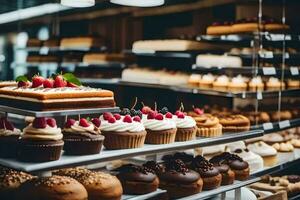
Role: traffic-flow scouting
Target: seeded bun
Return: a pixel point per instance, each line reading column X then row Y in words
column 53, row 188
column 75, row 172
column 10, row 181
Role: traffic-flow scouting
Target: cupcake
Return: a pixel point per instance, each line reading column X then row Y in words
column 9, row 136
column 209, row 127
column 10, row 181
column 221, row 83
column 186, row 127
column 54, row 187
column 82, row 137
column 159, row 129
column 267, row 152
column 227, row 174
column 194, row 80
column 210, row 175
column 256, row 84
column 186, row 158
column 293, row 84
column 237, row 84
column 179, row 181
column 137, row 179
column 206, row 81
column 255, row 161
column 275, row 84
column 122, row 132
column 41, row 141
column 236, row 164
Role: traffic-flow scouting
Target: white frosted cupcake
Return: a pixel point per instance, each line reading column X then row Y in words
column 221, row 83
column 275, row 84
column 256, row 84
column 237, row 84
column 206, row 81
column 267, row 152
column 186, row 127
column 160, row 130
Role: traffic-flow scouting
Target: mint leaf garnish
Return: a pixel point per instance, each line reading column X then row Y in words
column 21, row 78
column 71, row 78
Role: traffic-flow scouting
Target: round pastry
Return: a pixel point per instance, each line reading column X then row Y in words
column 236, row 164
column 137, row 179
column 186, row 127
column 293, row 84
column 235, row 123
column 237, row 84
column 256, row 84
column 281, row 115
column 221, row 83
column 101, row 185
column 179, row 181
column 267, row 152
column 75, row 172
column 54, row 187
column 273, row 138
column 41, row 141
column 275, row 84
column 228, row 175
column 194, row 80
column 9, row 136
column 159, row 129
column 82, row 137
column 206, row 81
column 209, row 127
column 122, row 132
column 210, row 175
column 284, row 147
column 10, row 181
column 255, row 161
column 295, row 142
column 186, row 158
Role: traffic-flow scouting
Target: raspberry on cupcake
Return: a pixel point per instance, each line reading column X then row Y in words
column 41, row 141
column 82, row 137
column 122, row 132
column 9, row 136
column 186, row 127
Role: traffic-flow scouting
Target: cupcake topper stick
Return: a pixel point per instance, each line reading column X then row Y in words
column 79, row 117
column 155, row 106
column 135, row 102
column 66, row 118
column 181, row 107
column 143, row 104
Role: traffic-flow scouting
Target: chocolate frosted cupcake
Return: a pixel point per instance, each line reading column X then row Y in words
column 210, row 175
column 82, row 137
column 122, row 132
column 228, row 175
column 10, row 181
column 187, row 159
column 160, row 130
column 9, row 136
column 186, row 127
column 237, row 165
column 137, row 179
column 41, row 141
column 179, row 181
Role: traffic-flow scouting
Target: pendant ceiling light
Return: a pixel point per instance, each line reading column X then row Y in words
column 78, row 3
column 139, row 3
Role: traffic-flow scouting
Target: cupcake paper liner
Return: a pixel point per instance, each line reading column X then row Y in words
column 83, row 146
column 161, row 137
column 124, row 140
column 185, row 134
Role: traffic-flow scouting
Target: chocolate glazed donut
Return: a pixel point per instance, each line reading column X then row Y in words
column 228, row 175
column 210, row 175
column 179, row 181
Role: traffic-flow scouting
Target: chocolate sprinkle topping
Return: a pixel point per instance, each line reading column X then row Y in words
column 177, row 166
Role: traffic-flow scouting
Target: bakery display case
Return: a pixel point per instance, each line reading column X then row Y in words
column 188, row 100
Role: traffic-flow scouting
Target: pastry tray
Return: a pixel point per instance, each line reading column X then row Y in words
column 45, row 50
column 277, row 126
column 143, row 196
column 56, row 113
column 109, row 155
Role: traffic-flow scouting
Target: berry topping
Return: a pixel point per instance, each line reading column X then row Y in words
column 69, row 84
column 198, row 111
column 59, row 81
column 177, row 112
column 127, row 119
column 112, row 120
column 51, row 122
column 145, row 110
column 84, row 123
column 151, row 115
column 137, row 119
column 37, row 81
column 107, row 115
column 69, row 123
column 169, row 115
column 164, row 110
column 96, row 122
column 23, row 84
column 48, row 83
column 117, row 116
column 39, row 122
column 125, row 111
column 181, row 115
column 159, row 117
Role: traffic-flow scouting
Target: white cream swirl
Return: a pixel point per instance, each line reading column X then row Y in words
column 158, row 125
column 120, row 126
column 48, row 133
column 7, row 132
column 238, row 79
column 262, row 149
column 77, row 129
column 186, row 122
